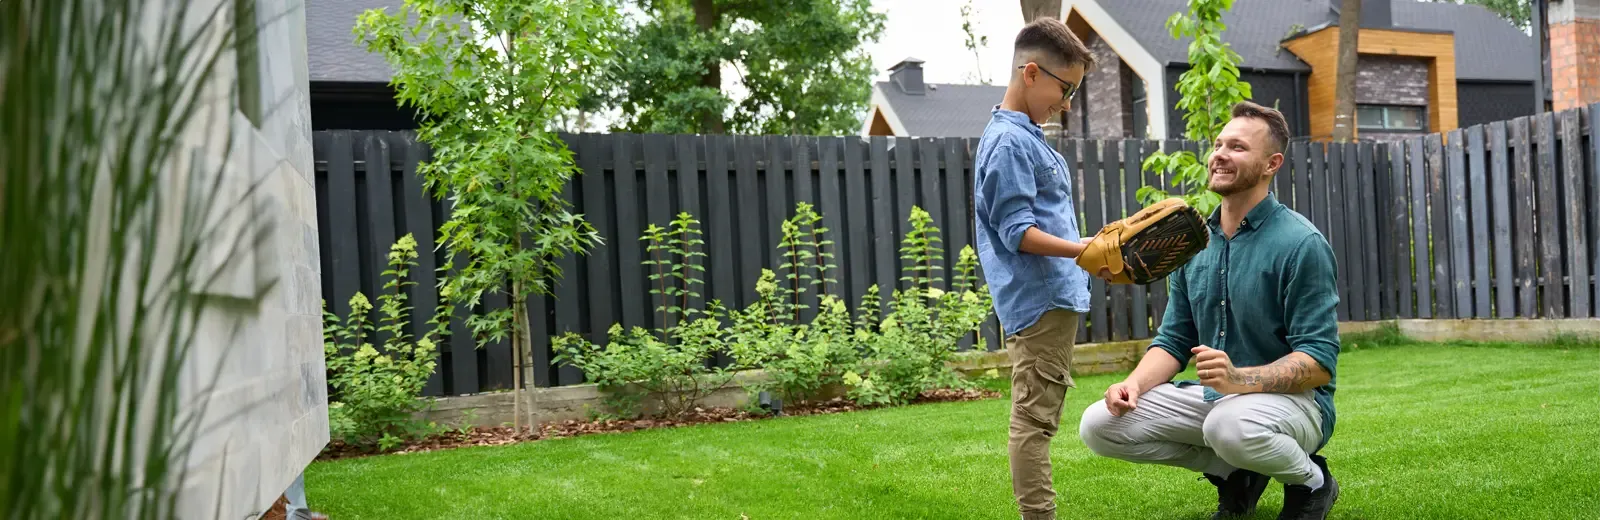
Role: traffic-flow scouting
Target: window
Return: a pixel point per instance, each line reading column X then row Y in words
column 1391, row 118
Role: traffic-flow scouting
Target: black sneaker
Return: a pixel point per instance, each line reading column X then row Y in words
column 1237, row 495
column 1301, row 503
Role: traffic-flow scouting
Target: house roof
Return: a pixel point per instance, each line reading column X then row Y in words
column 947, row 110
column 331, row 48
column 1487, row 47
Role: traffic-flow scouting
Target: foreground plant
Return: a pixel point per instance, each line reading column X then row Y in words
column 121, row 226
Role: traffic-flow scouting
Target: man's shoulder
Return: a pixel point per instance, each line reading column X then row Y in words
column 1292, row 231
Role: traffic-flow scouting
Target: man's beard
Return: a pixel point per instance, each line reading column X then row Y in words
column 1244, row 178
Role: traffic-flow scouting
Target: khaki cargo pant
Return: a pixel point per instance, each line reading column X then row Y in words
column 1041, row 372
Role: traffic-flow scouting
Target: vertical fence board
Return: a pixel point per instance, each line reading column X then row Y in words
column 905, row 189
column 859, row 235
column 1139, row 313
column 1524, row 200
column 1591, row 175
column 1460, row 233
column 687, row 157
column 1099, row 326
column 831, row 199
column 1158, row 290
column 1547, row 179
column 1333, row 182
column 1439, row 227
column 1115, row 208
column 933, row 203
column 1420, row 239
column 747, row 207
column 415, row 217
column 1319, row 187
column 1301, row 159
column 632, row 290
column 1068, row 148
column 658, row 212
column 1500, row 192
column 569, row 295
column 598, row 210
column 885, row 261
column 1400, row 226
column 1353, row 236
column 956, row 194
column 379, row 217
column 1478, row 215
column 990, row 332
column 1371, row 230
column 723, row 262
column 1573, row 209
column 496, row 366
column 778, row 207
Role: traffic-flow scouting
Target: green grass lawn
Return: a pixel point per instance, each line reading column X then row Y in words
column 1425, row 431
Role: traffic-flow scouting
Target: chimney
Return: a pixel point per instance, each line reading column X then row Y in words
column 908, row 76
column 1375, row 14
column 1574, row 53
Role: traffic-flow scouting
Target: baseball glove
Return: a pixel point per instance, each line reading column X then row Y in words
column 1148, row 245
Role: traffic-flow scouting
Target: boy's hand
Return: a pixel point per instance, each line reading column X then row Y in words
column 1104, row 274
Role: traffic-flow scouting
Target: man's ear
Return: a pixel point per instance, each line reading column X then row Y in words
column 1275, row 162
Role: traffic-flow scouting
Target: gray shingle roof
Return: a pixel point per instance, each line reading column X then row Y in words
column 1487, row 47
column 946, row 111
column 331, row 48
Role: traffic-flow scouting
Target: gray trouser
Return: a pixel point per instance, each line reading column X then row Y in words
column 1270, row 434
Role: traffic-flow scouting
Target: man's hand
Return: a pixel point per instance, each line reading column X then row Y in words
column 1294, row 373
column 1216, row 370
column 1122, row 398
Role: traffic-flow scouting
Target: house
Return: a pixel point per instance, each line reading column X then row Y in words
column 1424, row 67
column 907, row 105
column 349, row 85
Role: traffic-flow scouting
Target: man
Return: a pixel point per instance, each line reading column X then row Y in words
column 1028, row 235
column 1255, row 310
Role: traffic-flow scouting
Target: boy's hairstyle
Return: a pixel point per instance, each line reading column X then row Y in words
column 1277, row 126
column 1051, row 38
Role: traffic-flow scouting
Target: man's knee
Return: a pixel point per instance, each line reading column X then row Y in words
column 1234, row 436
column 1095, row 429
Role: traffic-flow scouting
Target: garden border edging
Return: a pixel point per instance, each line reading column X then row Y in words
column 573, row 402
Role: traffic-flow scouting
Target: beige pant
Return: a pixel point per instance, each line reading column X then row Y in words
column 1041, row 372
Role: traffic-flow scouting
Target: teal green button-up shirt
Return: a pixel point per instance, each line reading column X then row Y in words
column 1259, row 296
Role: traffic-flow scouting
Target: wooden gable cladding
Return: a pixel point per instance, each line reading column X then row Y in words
column 1320, row 50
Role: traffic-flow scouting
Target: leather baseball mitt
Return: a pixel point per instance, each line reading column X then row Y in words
column 1148, row 245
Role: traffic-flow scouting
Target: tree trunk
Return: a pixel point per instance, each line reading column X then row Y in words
column 1035, row 8
column 524, row 356
column 1344, row 92
column 706, row 17
column 519, row 336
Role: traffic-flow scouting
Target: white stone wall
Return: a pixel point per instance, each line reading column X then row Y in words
column 257, row 365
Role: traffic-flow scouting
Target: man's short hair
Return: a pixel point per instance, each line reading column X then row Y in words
column 1050, row 37
column 1277, row 126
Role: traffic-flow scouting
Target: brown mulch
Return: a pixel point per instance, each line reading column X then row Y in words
column 495, row 436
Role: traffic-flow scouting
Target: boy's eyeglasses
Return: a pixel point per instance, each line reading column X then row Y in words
column 1068, row 88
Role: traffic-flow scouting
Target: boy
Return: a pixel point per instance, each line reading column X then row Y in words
column 1028, row 236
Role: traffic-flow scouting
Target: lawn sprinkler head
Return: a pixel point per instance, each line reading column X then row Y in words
column 772, row 404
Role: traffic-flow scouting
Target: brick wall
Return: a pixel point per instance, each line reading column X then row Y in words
column 1390, row 80
column 1575, row 63
column 1108, row 93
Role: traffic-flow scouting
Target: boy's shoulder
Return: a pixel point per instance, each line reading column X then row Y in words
column 1002, row 137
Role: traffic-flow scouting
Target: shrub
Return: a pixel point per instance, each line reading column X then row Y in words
column 910, row 349
column 377, row 388
column 673, row 362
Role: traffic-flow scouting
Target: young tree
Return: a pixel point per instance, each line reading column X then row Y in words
column 1344, row 90
column 800, row 63
column 492, row 76
column 974, row 42
column 1208, row 91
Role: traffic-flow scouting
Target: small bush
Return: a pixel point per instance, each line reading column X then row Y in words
column 377, row 388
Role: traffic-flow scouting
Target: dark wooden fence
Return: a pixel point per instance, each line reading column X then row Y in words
column 1492, row 221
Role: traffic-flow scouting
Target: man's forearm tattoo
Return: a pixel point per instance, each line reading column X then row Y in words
column 1282, row 376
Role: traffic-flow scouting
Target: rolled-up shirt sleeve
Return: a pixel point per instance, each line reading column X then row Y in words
column 1311, row 302
column 1177, row 333
column 1008, row 188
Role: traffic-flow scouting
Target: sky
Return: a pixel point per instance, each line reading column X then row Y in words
column 930, row 30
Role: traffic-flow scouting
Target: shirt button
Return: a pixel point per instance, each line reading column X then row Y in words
column 1222, row 334
column 1224, row 303
column 1223, row 271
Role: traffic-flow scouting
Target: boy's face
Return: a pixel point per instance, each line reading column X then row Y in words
column 1049, row 90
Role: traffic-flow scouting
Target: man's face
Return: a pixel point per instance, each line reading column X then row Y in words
column 1050, row 89
column 1241, row 157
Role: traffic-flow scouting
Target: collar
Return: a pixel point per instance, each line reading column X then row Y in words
column 1256, row 218
column 1017, row 118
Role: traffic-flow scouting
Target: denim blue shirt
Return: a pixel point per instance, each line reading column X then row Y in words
column 1019, row 182
column 1258, row 296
